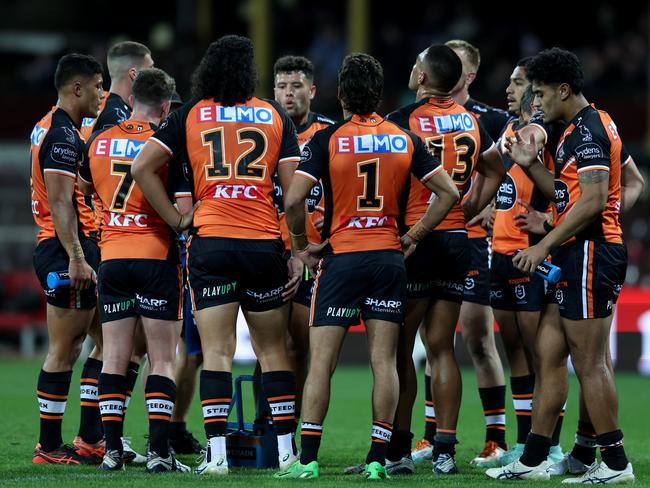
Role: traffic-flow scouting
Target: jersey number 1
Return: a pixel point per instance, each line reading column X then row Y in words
column 370, row 199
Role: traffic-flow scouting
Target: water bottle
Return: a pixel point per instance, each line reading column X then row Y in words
column 55, row 279
column 547, row 271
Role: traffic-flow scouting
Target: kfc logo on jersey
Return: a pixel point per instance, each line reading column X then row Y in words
column 237, row 192
column 352, row 222
column 462, row 122
column 112, row 219
column 372, row 143
column 250, row 115
column 37, row 134
column 122, row 148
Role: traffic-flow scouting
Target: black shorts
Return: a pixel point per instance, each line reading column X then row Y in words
column 510, row 289
column 593, row 273
column 150, row 288
column 249, row 271
column 438, row 266
column 49, row 256
column 477, row 280
column 370, row 284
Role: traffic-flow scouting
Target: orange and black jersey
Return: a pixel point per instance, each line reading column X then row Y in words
column 453, row 134
column 315, row 122
column 590, row 142
column 112, row 111
column 364, row 164
column 229, row 156
column 57, row 147
column 131, row 228
column 507, row 237
column 493, row 119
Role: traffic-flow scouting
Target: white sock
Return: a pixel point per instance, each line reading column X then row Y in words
column 217, row 446
column 284, row 443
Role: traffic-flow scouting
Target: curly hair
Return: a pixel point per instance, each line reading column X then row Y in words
column 443, row 66
column 227, row 72
column 287, row 64
column 556, row 65
column 361, row 82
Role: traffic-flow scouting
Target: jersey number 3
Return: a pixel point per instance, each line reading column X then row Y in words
column 464, row 149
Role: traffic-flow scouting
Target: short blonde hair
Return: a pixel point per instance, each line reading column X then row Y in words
column 470, row 50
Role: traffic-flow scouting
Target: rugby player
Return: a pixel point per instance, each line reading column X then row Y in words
column 587, row 245
column 139, row 274
column 66, row 242
column 364, row 163
column 231, row 143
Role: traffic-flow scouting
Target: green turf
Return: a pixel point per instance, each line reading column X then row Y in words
column 345, row 439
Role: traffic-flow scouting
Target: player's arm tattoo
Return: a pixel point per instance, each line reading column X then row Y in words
column 77, row 251
column 594, row 176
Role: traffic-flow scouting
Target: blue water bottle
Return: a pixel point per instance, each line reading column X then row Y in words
column 547, row 271
column 56, row 279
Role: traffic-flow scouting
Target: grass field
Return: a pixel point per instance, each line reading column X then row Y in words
column 345, row 439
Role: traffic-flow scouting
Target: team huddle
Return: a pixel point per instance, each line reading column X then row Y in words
column 170, row 217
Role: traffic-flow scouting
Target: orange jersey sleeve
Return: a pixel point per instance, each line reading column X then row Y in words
column 131, row 228
column 57, row 147
column 231, row 154
column 364, row 164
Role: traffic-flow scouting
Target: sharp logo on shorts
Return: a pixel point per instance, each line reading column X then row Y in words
column 462, row 122
column 562, row 196
column 506, row 195
column 251, row 115
column 413, row 287
column 112, row 219
column 452, row 285
column 367, row 222
column 372, row 143
column 37, row 134
column 343, row 312
column 215, row 291
column 378, row 305
column 123, row 148
column 266, row 296
column 119, row 306
column 237, row 192
column 153, row 304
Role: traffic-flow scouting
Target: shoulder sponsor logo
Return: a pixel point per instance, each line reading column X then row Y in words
column 506, row 194
column 613, row 130
column 372, row 143
column 314, row 197
column 462, row 122
column 562, row 196
column 585, row 133
column 123, row 148
column 37, row 135
column 249, row 115
column 88, row 121
column 64, row 153
column 305, row 154
column 588, row 151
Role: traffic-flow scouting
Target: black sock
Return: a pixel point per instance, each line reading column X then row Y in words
column 90, row 422
column 399, row 445
column 310, row 436
column 555, row 438
column 536, row 450
column 611, row 450
column 280, row 390
column 494, row 410
column 379, row 439
column 177, row 428
column 52, row 395
column 160, row 394
column 445, row 443
column 216, row 395
column 429, row 412
column 131, row 378
column 112, row 395
column 584, row 449
column 522, row 397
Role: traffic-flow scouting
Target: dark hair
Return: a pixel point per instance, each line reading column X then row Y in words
column 153, row 86
column 227, row 72
column 287, row 64
column 526, row 104
column 556, row 65
column 128, row 48
column 523, row 62
column 75, row 64
column 361, row 81
column 443, row 66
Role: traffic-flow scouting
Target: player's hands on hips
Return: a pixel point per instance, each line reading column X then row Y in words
column 527, row 260
column 485, row 218
column 532, row 220
column 524, row 153
column 408, row 245
column 81, row 274
column 311, row 256
column 187, row 218
column 295, row 267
